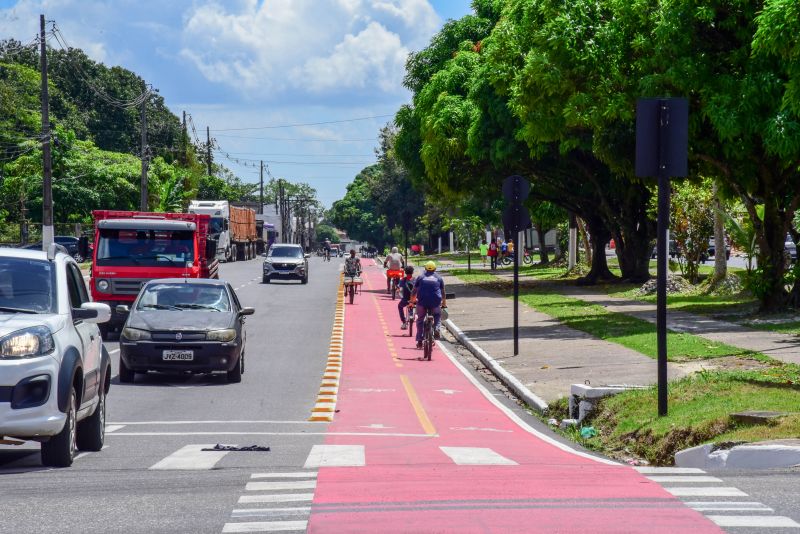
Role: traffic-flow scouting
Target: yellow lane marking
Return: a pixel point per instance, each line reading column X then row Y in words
column 422, row 415
column 325, row 406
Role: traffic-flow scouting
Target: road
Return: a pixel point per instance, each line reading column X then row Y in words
column 414, row 446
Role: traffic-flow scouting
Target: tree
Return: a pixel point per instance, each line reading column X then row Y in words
column 692, row 214
column 355, row 213
column 325, row 232
column 545, row 216
column 468, row 232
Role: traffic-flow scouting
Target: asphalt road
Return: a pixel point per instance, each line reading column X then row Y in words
column 157, row 416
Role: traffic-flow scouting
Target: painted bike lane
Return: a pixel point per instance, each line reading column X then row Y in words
column 422, row 447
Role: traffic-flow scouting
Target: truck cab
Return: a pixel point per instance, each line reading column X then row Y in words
column 134, row 247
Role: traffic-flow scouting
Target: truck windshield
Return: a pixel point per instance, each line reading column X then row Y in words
column 215, row 226
column 27, row 286
column 152, row 248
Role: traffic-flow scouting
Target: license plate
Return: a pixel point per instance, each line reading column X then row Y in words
column 179, row 355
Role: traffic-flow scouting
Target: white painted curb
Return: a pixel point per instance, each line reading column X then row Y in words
column 509, row 380
column 765, row 455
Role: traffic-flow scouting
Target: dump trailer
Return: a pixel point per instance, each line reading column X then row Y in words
column 233, row 228
column 133, row 247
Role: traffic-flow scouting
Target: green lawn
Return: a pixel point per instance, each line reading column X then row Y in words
column 792, row 327
column 699, row 410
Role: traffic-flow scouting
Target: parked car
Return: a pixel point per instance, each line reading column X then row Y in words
column 181, row 325
column 286, row 261
column 712, row 246
column 54, row 371
column 790, row 247
column 72, row 244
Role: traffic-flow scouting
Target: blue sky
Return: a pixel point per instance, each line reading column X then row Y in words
column 234, row 64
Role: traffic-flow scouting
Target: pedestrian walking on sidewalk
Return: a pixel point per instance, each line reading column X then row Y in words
column 484, row 251
column 492, row 252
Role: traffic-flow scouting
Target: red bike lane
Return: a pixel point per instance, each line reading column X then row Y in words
column 421, row 446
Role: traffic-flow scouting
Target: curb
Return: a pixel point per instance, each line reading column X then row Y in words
column 325, row 406
column 775, row 454
column 509, row 380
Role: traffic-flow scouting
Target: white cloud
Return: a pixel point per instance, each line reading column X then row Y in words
column 306, row 46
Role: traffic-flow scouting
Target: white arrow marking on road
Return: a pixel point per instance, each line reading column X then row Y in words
column 449, row 391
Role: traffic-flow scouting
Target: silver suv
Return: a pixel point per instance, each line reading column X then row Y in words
column 285, row 261
column 54, row 371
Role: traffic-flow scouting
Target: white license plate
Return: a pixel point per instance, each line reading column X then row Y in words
column 179, row 355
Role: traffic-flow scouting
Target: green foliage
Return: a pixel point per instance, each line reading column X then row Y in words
column 326, row 232
column 355, row 213
column 692, row 214
column 468, row 231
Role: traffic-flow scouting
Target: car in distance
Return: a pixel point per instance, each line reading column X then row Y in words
column 285, row 261
column 181, row 325
column 54, row 371
column 790, row 248
column 71, row 243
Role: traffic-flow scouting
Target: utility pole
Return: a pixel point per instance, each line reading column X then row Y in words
column 208, row 150
column 143, row 195
column 47, row 166
column 283, row 211
column 184, row 140
column 261, row 190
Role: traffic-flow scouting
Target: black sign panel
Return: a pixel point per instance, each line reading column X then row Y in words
column 516, row 218
column 662, row 136
column 516, row 189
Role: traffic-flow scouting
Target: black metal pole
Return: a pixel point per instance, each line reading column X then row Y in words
column 663, row 251
column 516, row 302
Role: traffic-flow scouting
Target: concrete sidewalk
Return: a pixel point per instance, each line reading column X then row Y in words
column 552, row 356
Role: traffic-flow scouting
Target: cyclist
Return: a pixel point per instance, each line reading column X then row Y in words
column 352, row 266
column 430, row 295
column 327, row 249
column 394, row 262
column 406, row 289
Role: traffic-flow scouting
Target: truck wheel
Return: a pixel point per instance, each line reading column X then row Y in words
column 126, row 374
column 92, row 430
column 59, row 451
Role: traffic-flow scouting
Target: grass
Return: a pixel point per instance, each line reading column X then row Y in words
column 625, row 330
column 791, row 327
column 699, row 412
column 692, row 302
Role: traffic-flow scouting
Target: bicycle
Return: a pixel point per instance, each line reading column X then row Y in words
column 352, row 285
column 393, row 277
column 327, row 255
column 411, row 316
column 428, row 335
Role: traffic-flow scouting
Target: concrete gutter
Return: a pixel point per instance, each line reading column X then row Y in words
column 779, row 453
column 509, row 380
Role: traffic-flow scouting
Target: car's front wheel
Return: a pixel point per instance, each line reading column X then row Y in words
column 265, row 279
column 126, row 374
column 59, row 451
column 92, row 430
column 235, row 374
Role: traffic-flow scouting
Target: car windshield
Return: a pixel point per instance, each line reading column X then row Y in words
column 285, row 252
column 27, row 286
column 154, row 248
column 179, row 297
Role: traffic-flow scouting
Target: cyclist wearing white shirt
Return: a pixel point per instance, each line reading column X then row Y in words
column 394, row 262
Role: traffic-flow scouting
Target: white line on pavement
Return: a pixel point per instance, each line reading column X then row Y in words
column 276, row 497
column 262, row 512
column 367, row 434
column 113, row 428
column 476, row 456
column 336, row 456
column 756, row 521
column 281, row 485
column 81, row 455
column 191, row 458
column 725, row 491
column 679, row 478
column 227, row 422
column 728, row 506
column 309, row 474
column 266, row 526
column 669, row 470
column 113, row 351
column 516, row 419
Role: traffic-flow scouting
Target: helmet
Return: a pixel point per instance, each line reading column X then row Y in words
column 394, row 250
column 430, row 266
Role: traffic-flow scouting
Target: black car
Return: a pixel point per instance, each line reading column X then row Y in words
column 184, row 325
column 72, row 244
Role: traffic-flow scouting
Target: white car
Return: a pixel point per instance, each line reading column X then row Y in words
column 54, row 371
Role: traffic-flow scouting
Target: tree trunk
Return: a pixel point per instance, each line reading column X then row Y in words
column 771, row 261
column 542, row 246
column 633, row 253
column 720, row 249
column 599, row 267
column 585, row 239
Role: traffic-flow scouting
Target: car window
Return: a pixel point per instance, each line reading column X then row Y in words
column 27, row 285
column 79, row 282
column 235, row 297
column 179, row 296
column 73, row 289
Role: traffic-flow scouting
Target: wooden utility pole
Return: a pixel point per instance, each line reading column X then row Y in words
column 143, row 194
column 208, row 150
column 48, row 233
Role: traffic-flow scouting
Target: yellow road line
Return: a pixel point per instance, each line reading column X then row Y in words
column 422, row 415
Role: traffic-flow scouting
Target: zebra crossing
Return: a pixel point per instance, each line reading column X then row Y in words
column 274, row 502
column 737, row 510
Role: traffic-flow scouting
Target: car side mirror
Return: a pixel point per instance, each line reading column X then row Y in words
column 122, row 309
column 306, row 256
column 92, row 312
column 247, row 311
column 264, row 254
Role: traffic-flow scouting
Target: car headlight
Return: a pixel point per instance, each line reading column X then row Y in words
column 103, row 285
column 27, row 343
column 134, row 334
column 228, row 334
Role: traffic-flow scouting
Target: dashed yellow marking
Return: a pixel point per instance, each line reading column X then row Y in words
column 325, row 406
column 422, row 415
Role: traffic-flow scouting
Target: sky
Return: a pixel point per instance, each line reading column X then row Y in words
column 268, row 77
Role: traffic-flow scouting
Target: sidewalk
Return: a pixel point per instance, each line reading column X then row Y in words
column 552, row 356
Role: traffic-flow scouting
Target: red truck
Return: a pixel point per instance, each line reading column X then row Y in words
column 132, row 247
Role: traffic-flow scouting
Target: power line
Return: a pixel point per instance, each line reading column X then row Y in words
column 302, row 155
column 301, row 139
column 303, row 124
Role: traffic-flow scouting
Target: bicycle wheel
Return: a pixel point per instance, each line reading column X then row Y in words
column 527, row 259
column 410, row 323
column 352, row 293
column 394, row 291
column 427, row 340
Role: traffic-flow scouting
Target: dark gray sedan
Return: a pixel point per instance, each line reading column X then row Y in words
column 184, row 325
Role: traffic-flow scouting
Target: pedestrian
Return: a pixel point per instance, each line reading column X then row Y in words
column 484, row 251
column 503, row 248
column 492, row 252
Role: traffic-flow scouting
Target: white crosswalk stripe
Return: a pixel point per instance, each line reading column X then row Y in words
column 735, row 513
column 280, row 502
column 475, row 456
column 191, row 458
